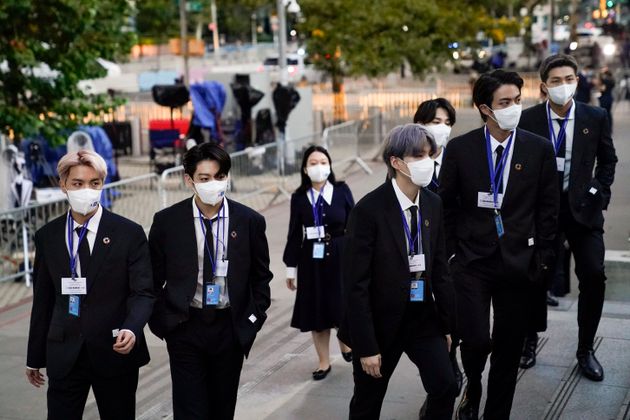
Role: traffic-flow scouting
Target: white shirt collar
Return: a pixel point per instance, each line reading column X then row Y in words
column 403, row 200
column 439, row 158
column 555, row 116
column 494, row 143
column 93, row 223
column 327, row 194
column 226, row 209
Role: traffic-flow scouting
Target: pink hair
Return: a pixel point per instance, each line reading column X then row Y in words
column 82, row 157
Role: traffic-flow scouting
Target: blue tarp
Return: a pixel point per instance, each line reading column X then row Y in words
column 208, row 100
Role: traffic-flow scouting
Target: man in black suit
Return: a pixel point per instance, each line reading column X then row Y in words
column 500, row 199
column 211, row 273
column 92, row 297
column 398, row 293
column 586, row 159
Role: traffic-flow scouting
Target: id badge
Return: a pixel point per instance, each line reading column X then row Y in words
column 318, row 250
column 211, row 293
column 486, row 200
column 315, row 232
column 417, row 291
column 560, row 164
column 416, row 263
column 498, row 221
column 73, row 305
column 221, row 269
column 73, row 286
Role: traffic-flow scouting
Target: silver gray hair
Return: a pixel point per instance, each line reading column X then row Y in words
column 406, row 140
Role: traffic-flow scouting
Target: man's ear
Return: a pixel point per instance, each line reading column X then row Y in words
column 188, row 180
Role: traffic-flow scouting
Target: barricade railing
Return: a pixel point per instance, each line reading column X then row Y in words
column 134, row 198
column 259, row 176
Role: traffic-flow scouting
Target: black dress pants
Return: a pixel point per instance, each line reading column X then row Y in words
column 429, row 354
column 115, row 396
column 587, row 246
column 206, row 361
column 479, row 285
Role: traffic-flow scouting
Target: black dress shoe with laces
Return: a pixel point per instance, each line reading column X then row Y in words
column 468, row 408
column 590, row 366
column 528, row 357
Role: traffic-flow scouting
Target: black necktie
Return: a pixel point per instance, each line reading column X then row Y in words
column 84, row 252
column 562, row 151
column 435, row 172
column 497, row 168
column 414, row 228
column 207, row 263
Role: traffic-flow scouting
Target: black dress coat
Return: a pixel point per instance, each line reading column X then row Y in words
column 318, row 304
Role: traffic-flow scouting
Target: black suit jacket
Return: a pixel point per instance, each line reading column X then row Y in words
column 119, row 296
column 376, row 272
column 530, row 204
column 173, row 247
column 592, row 143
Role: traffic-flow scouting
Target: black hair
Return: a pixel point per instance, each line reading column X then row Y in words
column 427, row 109
column 406, row 140
column 488, row 83
column 305, row 182
column 555, row 61
column 207, row 151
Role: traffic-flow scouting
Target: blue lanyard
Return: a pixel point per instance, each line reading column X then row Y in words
column 213, row 261
column 562, row 134
column 317, row 215
column 496, row 177
column 412, row 241
column 82, row 233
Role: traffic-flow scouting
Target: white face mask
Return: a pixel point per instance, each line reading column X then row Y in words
column 318, row 173
column 421, row 171
column 211, row 192
column 508, row 118
column 440, row 133
column 85, row 200
column 562, row 94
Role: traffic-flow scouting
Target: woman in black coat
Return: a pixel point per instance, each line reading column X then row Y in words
column 319, row 211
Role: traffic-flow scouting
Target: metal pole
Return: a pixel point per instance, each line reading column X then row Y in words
column 25, row 249
column 215, row 25
column 282, row 41
column 551, row 24
column 254, row 30
column 183, row 33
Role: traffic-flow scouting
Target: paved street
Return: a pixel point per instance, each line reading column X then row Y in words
column 276, row 381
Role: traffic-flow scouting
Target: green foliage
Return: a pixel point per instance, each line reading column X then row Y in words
column 157, row 19
column 67, row 36
column 374, row 38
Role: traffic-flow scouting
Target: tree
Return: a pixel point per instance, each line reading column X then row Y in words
column 353, row 37
column 65, row 37
column 157, row 20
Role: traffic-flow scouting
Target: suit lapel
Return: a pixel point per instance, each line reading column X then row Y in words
column 519, row 161
column 579, row 133
column 395, row 221
column 187, row 237
column 58, row 247
column 425, row 228
column 105, row 239
column 234, row 236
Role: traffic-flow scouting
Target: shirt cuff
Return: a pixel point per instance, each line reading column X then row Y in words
column 291, row 272
column 30, row 368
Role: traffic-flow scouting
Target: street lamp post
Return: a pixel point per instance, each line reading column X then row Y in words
column 293, row 7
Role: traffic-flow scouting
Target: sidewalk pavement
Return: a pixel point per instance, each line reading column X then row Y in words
column 276, row 380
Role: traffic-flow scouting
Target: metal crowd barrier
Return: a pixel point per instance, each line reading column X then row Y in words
column 259, row 177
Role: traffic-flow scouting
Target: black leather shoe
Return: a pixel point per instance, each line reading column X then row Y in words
column 459, row 377
column 320, row 374
column 528, row 357
column 551, row 300
column 468, row 408
column 347, row 356
column 590, row 366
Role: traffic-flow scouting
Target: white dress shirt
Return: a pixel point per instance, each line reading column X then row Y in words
column 222, row 242
column 406, row 204
column 568, row 140
column 327, row 194
column 92, row 229
column 494, row 143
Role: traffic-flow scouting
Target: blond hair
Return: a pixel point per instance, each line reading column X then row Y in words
column 82, row 157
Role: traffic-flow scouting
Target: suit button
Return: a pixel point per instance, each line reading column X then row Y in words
column 323, row 214
column 328, row 254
